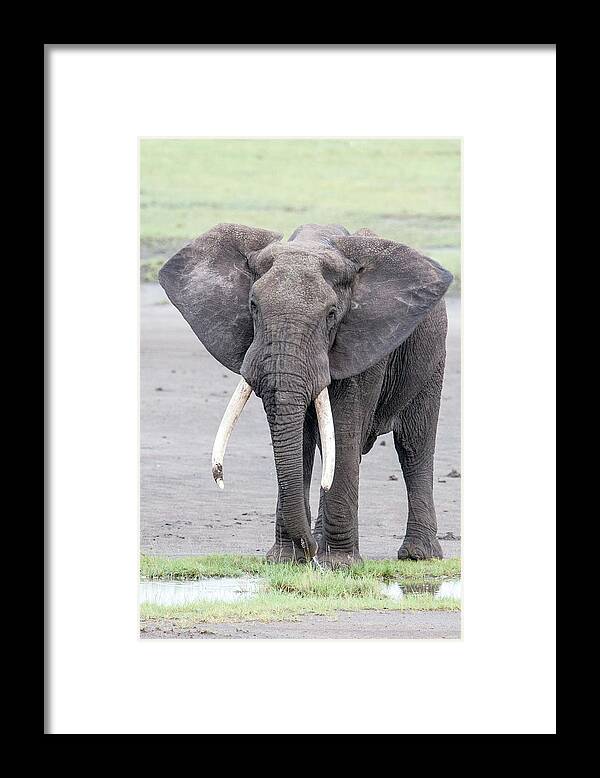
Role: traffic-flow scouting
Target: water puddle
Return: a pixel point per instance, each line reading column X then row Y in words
column 234, row 589
column 439, row 590
column 203, row 589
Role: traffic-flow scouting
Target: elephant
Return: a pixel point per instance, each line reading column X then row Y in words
column 343, row 338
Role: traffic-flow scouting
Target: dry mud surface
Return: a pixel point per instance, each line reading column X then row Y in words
column 366, row 624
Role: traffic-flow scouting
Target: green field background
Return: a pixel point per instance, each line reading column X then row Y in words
column 405, row 190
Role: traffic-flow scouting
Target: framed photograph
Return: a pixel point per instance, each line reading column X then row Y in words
column 301, row 314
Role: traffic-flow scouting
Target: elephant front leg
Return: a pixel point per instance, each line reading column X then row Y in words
column 353, row 401
column 282, row 550
column 336, row 529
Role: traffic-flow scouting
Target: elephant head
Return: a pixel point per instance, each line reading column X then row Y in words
column 290, row 317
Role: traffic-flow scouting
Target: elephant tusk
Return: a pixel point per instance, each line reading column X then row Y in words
column 232, row 413
column 327, row 433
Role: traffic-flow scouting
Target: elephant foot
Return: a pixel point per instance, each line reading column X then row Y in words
column 332, row 559
column 285, row 552
column 420, row 548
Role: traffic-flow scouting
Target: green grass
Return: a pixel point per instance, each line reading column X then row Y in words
column 189, row 568
column 407, row 571
column 275, row 606
column 291, row 591
column 149, row 268
column 405, row 190
column 235, row 565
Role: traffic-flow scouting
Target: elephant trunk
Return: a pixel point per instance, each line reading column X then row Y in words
column 285, row 413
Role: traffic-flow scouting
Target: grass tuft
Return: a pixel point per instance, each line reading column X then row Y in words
column 276, row 606
column 235, row 565
column 308, row 582
column 193, row 567
column 406, row 570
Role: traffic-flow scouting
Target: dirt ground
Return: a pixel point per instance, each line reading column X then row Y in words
column 184, row 391
column 183, row 394
column 367, row 624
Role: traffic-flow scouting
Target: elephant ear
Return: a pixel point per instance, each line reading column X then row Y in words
column 395, row 287
column 209, row 282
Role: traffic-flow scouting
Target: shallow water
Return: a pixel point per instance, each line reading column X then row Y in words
column 207, row 589
column 439, row 590
column 234, row 589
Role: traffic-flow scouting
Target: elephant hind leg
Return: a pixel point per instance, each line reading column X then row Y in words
column 414, row 439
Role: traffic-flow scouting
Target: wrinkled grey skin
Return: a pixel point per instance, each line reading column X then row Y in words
column 359, row 314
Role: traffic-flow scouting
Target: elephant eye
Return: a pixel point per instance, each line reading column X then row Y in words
column 331, row 318
column 253, row 307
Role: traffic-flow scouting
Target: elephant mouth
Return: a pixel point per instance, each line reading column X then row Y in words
column 234, row 409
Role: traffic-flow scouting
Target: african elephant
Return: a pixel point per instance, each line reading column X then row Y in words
column 342, row 337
